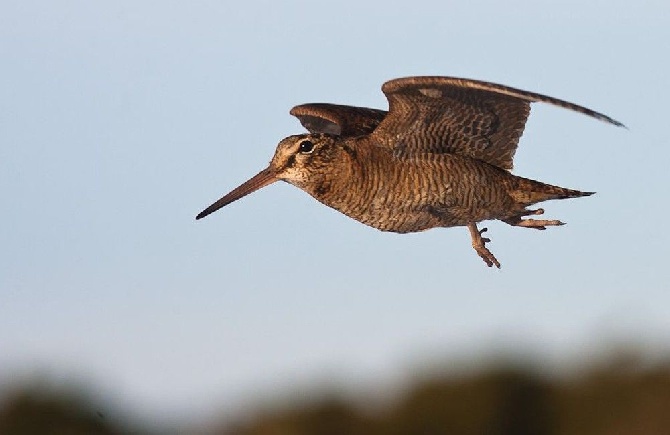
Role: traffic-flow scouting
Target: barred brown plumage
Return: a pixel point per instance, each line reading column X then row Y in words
column 440, row 157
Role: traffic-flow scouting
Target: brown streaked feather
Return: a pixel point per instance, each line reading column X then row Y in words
column 472, row 118
column 337, row 119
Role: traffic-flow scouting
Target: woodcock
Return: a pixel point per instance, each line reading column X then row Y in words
column 440, row 157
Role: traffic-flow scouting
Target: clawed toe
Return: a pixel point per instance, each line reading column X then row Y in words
column 479, row 244
column 538, row 224
column 487, row 256
column 533, row 212
column 484, row 239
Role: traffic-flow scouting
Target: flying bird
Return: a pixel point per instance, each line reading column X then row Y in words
column 441, row 156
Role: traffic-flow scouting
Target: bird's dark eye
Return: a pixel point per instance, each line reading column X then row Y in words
column 306, row 146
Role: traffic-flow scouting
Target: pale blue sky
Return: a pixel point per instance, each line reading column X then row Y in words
column 119, row 121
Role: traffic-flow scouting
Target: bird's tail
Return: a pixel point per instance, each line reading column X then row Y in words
column 527, row 192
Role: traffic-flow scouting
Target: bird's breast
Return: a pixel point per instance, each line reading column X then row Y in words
column 387, row 193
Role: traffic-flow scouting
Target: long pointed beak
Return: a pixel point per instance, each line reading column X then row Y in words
column 258, row 181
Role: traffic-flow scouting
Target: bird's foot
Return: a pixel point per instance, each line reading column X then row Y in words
column 479, row 244
column 538, row 223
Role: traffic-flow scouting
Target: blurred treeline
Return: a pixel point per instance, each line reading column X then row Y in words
column 612, row 398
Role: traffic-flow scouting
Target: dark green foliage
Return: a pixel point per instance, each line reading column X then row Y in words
column 32, row 412
column 610, row 400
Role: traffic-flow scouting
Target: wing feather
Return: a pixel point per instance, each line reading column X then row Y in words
column 337, row 119
column 468, row 117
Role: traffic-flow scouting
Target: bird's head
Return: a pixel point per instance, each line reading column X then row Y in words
column 301, row 160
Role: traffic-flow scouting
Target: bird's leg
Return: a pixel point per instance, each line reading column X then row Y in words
column 479, row 243
column 538, row 224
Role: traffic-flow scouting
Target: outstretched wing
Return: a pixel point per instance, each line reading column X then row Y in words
column 337, row 119
column 468, row 117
